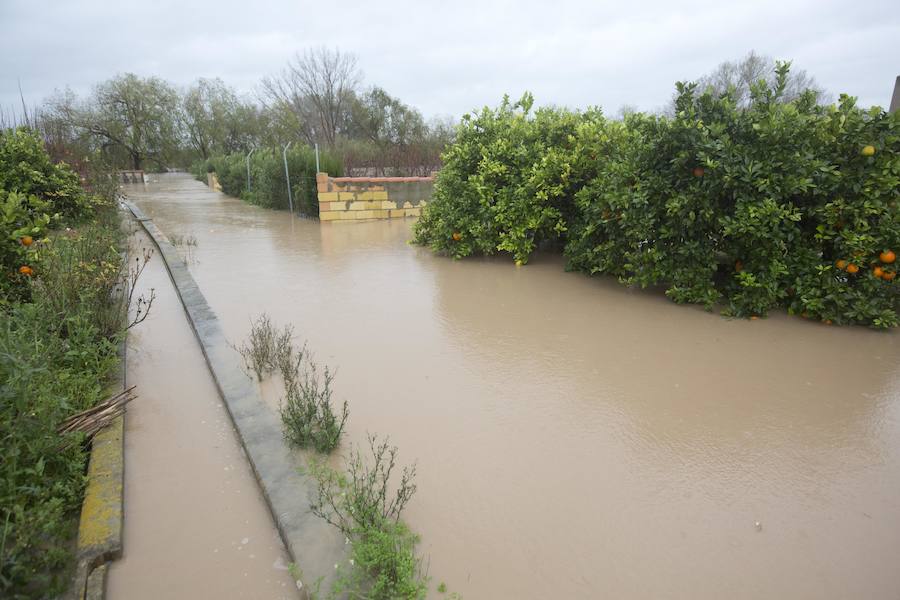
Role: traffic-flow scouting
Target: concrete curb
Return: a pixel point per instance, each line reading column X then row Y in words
column 100, row 527
column 314, row 546
column 100, row 523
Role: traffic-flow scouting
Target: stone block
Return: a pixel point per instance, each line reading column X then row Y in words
column 389, row 204
column 329, row 215
column 346, row 196
column 328, row 196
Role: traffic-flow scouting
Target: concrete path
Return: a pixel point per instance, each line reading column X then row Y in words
column 196, row 524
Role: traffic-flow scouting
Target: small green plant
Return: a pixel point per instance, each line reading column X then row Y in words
column 268, row 349
column 383, row 564
column 306, row 411
column 260, row 348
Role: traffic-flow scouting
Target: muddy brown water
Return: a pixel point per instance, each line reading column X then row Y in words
column 576, row 439
column 196, row 524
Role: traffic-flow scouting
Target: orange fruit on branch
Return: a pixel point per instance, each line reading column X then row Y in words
column 26, row 270
column 457, row 236
column 868, row 150
column 888, row 275
column 27, row 240
column 852, row 269
column 841, row 264
column 887, row 257
column 878, row 272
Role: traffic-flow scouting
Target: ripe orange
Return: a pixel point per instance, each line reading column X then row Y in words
column 27, row 241
column 26, row 270
column 888, row 275
column 868, row 151
column 698, row 171
column 878, row 272
column 841, row 264
column 457, row 236
column 887, row 256
column 852, row 269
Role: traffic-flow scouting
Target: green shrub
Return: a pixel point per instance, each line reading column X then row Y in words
column 25, row 167
column 306, row 410
column 508, row 181
column 52, row 365
column 366, row 505
column 268, row 188
column 746, row 208
column 750, row 207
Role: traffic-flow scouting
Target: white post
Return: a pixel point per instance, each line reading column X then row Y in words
column 317, row 157
column 248, row 168
column 287, row 176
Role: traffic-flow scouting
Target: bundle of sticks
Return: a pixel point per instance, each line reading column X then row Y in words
column 96, row 418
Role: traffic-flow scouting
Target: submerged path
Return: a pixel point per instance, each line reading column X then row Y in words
column 196, row 525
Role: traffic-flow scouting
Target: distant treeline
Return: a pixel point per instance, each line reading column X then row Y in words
column 148, row 123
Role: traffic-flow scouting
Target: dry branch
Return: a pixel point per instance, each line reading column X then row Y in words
column 96, row 418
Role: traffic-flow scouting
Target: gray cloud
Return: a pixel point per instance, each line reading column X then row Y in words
column 449, row 57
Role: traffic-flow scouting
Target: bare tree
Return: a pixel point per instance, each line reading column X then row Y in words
column 317, row 88
column 738, row 76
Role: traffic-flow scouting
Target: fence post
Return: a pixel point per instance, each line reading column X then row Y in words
column 317, row 157
column 287, row 176
column 248, row 168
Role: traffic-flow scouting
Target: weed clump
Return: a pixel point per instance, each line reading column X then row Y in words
column 383, row 563
column 307, row 413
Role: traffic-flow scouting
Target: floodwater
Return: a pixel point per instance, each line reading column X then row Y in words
column 574, row 438
column 196, row 525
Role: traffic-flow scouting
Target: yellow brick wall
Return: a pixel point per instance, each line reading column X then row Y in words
column 366, row 198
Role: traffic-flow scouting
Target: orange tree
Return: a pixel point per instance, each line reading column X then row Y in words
column 751, row 207
column 778, row 203
column 509, row 180
column 34, row 192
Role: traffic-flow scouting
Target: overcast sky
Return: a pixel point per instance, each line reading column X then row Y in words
column 449, row 57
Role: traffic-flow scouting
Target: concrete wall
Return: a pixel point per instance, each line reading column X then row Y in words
column 365, row 198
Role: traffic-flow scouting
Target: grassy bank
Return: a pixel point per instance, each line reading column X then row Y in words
column 60, row 326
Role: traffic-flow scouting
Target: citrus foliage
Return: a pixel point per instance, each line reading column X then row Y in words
column 35, row 193
column 748, row 208
column 507, row 181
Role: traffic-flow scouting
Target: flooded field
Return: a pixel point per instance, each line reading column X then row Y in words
column 576, row 439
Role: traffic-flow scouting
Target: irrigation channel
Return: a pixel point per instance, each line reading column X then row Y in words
column 574, row 438
column 196, row 525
